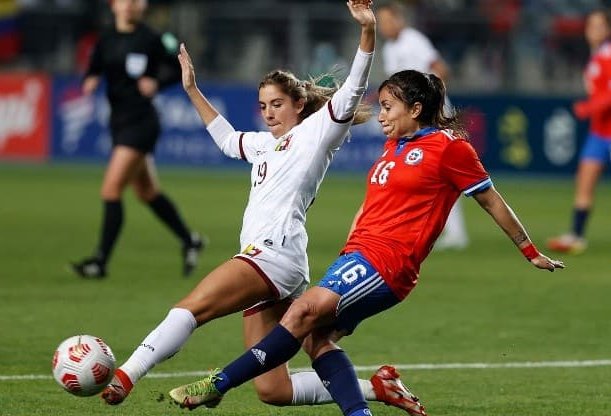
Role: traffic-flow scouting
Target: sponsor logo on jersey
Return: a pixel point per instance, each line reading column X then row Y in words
column 259, row 355
column 284, row 144
column 268, row 242
column 414, row 157
column 135, row 64
column 251, row 251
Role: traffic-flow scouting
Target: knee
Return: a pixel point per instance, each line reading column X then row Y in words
column 300, row 318
column 202, row 310
column 110, row 191
column 273, row 395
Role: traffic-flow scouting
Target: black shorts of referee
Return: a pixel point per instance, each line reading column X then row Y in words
column 141, row 134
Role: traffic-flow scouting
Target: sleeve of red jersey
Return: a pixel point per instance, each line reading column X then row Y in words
column 461, row 166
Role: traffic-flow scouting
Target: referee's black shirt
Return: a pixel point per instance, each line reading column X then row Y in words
column 125, row 57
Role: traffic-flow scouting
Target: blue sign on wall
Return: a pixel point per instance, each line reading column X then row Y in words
column 516, row 134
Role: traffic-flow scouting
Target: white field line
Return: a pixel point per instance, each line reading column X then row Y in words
column 447, row 366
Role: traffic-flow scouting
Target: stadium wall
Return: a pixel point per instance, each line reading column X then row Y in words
column 48, row 119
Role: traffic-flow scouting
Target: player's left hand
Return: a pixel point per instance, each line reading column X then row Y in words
column 361, row 11
column 188, row 71
column 148, row 86
column 544, row 262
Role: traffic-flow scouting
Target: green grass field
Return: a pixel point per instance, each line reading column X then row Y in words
column 483, row 305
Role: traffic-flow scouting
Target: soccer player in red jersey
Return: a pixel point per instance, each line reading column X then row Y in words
column 424, row 167
column 596, row 150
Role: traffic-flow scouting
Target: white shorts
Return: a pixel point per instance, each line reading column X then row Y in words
column 284, row 270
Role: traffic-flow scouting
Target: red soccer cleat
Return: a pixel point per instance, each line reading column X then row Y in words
column 118, row 389
column 567, row 243
column 391, row 391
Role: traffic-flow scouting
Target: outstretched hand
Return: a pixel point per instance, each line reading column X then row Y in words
column 362, row 12
column 544, row 262
column 188, row 71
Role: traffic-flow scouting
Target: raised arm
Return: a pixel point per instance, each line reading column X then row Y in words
column 362, row 13
column 345, row 101
column 219, row 128
column 493, row 203
column 205, row 110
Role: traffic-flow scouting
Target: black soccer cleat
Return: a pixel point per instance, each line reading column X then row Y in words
column 191, row 252
column 90, row 268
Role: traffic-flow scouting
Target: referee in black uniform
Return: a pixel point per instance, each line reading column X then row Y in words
column 136, row 63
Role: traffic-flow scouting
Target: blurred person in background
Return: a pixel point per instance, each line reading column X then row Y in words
column 596, row 151
column 425, row 165
column 135, row 63
column 307, row 125
column 407, row 48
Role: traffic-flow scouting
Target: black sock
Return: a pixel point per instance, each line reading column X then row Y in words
column 580, row 217
column 111, row 227
column 166, row 211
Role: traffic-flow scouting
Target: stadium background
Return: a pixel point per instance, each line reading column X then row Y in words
column 516, row 67
column 483, row 334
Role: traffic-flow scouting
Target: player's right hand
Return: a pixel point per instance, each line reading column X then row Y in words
column 188, row 71
column 544, row 262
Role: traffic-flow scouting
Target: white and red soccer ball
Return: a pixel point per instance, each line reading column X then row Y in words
column 83, row 365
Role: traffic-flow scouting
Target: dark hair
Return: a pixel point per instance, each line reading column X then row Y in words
column 606, row 13
column 314, row 95
column 413, row 87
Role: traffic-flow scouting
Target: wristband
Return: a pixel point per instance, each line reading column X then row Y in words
column 530, row 252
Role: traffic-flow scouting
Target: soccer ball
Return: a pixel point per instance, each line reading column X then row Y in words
column 83, row 365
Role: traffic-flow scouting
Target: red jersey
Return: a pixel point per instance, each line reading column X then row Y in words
column 597, row 77
column 410, row 191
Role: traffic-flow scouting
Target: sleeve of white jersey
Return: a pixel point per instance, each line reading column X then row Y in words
column 235, row 144
column 346, row 99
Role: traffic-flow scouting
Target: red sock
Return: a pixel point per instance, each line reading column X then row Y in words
column 124, row 379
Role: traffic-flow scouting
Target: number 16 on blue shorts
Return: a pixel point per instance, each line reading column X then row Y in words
column 363, row 292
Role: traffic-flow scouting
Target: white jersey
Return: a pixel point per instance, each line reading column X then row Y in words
column 287, row 171
column 411, row 50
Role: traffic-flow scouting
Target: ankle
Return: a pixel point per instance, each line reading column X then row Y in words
column 126, row 382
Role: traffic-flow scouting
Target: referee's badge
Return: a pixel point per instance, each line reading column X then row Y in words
column 135, row 64
column 414, row 156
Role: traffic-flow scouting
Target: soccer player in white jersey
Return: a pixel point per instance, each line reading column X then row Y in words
column 408, row 48
column 307, row 125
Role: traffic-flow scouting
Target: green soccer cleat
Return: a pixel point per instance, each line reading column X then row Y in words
column 198, row 393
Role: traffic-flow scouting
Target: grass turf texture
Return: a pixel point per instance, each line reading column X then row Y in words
column 484, row 304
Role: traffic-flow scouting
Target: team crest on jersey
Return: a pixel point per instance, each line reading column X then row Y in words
column 284, row 143
column 135, row 64
column 251, row 251
column 414, row 156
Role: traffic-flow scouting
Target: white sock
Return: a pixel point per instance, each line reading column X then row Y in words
column 308, row 389
column 161, row 343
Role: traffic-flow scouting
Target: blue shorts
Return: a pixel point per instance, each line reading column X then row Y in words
column 596, row 148
column 362, row 290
